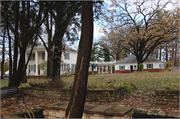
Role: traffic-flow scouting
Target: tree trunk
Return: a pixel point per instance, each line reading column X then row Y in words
column 57, row 56
column 21, row 67
column 10, row 56
column 117, row 57
column 24, row 78
column 156, row 53
column 16, row 42
column 50, row 64
column 50, row 45
column 78, row 96
column 172, row 56
column 3, row 54
column 166, row 52
column 139, row 60
column 160, row 53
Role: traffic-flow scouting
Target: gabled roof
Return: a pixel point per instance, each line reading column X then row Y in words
column 132, row 59
column 67, row 48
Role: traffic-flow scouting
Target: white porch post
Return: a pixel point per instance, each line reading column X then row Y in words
column 26, row 61
column 61, row 69
column 36, row 59
column 102, row 69
column 111, row 69
column 106, row 69
column 98, row 69
column 46, row 55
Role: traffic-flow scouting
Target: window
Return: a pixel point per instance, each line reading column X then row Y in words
column 134, row 66
column 66, row 56
column 32, row 67
column 32, row 57
column 149, row 66
column 161, row 66
column 122, row 67
column 43, row 55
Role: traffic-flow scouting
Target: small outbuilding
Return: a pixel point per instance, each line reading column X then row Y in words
column 129, row 64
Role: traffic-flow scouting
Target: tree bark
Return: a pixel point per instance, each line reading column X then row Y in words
column 166, row 52
column 21, row 67
column 57, row 56
column 50, row 46
column 16, row 35
column 117, row 57
column 10, row 55
column 139, row 60
column 3, row 54
column 78, row 96
column 160, row 53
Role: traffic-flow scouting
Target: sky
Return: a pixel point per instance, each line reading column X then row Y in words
column 96, row 34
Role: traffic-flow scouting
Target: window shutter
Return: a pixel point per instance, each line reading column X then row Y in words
column 152, row 66
column 119, row 67
column 68, row 56
column 147, row 66
column 29, row 69
column 71, row 66
column 123, row 67
column 34, row 68
column 64, row 55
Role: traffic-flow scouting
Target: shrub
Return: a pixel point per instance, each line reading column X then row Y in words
column 49, row 84
column 168, row 63
column 141, row 66
column 129, row 87
column 68, row 72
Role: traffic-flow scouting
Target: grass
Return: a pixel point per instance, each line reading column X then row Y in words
column 144, row 83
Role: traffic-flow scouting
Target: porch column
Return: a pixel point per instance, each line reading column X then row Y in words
column 102, row 69
column 111, row 69
column 46, row 55
column 106, row 69
column 61, row 69
column 25, row 62
column 36, row 62
column 99, row 69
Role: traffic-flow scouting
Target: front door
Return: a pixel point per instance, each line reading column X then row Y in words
column 38, row 72
column 131, row 68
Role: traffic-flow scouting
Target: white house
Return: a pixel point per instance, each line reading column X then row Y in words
column 129, row 64
column 69, row 58
column 39, row 55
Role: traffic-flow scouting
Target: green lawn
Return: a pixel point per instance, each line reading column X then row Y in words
column 144, row 83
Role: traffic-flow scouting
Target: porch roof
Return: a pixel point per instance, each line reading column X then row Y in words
column 103, row 63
